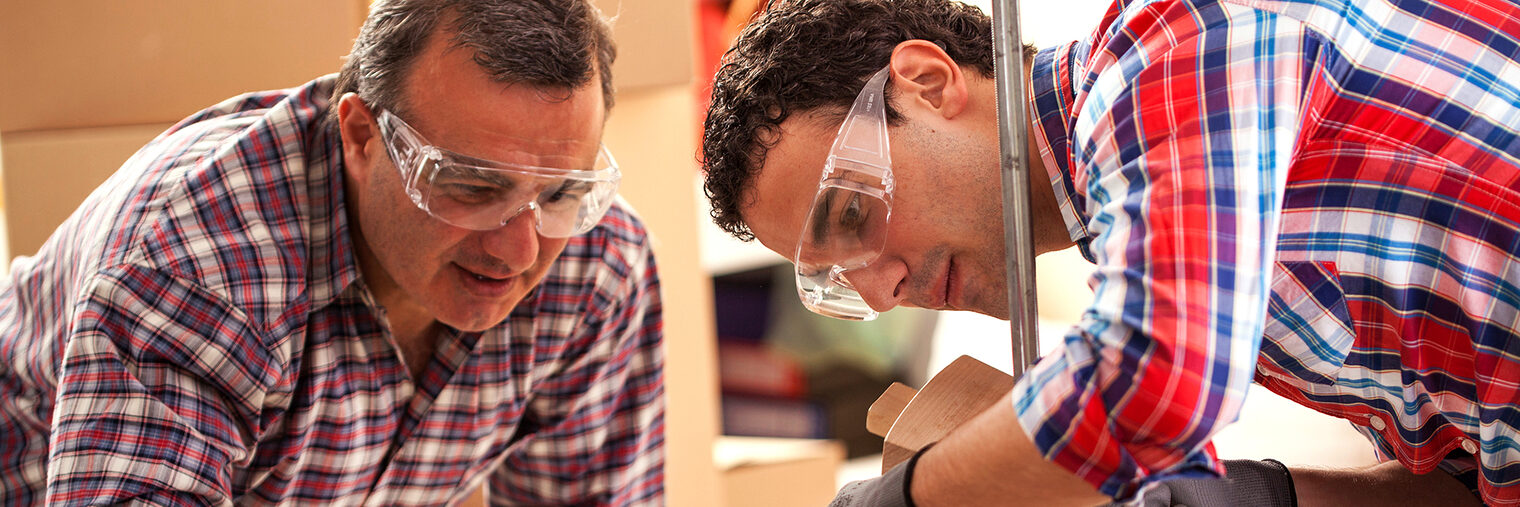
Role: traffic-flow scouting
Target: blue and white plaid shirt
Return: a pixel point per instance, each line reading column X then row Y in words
column 1320, row 195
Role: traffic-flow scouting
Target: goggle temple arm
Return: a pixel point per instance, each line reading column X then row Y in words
column 862, row 137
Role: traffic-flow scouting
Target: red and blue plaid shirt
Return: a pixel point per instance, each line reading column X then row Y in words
column 198, row 333
column 1322, row 195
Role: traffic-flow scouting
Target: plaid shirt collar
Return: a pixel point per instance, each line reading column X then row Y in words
column 1053, row 91
column 334, row 267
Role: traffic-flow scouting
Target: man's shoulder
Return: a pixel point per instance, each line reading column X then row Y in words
column 226, row 198
column 613, row 259
column 269, row 130
column 619, row 239
column 601, row 276
column 623, row 224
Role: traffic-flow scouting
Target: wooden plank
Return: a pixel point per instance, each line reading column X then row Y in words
column 888, row 406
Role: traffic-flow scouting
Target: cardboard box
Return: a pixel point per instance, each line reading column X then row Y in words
column 47, row 175
column 656, row 43
column 765, row 472
column 90, row 63
column 104, row 62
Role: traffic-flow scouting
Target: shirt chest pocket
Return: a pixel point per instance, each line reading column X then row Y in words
column 1308, row 330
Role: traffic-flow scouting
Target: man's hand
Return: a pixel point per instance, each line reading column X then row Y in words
column 889, row 490
column 990, row 461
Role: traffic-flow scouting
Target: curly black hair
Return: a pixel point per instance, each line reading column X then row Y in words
column 806, row 55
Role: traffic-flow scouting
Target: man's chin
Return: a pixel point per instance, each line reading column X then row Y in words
column 475, row 328
column 477, row 322
column 1000, row 315
column 997, row 310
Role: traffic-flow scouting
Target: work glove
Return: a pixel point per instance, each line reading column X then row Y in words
column 1247, row 483
column 892, row 489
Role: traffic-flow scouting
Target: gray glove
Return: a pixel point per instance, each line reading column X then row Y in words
column 892, row 489
column 1247, row 483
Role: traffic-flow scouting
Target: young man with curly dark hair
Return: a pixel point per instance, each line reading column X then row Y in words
column 1322, row 196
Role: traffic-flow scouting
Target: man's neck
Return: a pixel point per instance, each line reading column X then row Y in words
column 415, row 330
column 1050, row 231
column 418, row 341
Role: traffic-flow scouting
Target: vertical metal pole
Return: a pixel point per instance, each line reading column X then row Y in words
column 1008, row 63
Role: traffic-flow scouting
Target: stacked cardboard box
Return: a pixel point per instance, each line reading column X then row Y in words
column 765, row 472
column 84, row 83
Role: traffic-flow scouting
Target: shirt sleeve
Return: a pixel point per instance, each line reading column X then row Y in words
column 1181, row 147
column 159, row 394
column 595, row 431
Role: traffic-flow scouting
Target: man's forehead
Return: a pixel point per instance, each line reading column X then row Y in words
column 460, row 106
column 800, row 135
column 785, row 180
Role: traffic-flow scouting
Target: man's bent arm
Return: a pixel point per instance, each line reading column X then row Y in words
column 990, row 461
column 161, row 390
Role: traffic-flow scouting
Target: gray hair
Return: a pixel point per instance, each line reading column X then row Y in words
column 543, row 43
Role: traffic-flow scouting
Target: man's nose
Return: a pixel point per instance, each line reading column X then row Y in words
column 882, row 284
column 516, row 243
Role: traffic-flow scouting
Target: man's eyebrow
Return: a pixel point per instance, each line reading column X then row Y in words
column 573, row 184
column 494, row 177
column 821, row 221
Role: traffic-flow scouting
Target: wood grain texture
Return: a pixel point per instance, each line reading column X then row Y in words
column 962, row 390
column 888, row 406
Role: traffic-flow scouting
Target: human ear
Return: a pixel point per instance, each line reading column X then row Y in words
column 926, row 76
column 357, row 130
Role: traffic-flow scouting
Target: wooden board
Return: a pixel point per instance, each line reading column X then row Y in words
column 962, row 390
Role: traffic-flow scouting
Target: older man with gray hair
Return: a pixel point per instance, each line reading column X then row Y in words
column 386, row 286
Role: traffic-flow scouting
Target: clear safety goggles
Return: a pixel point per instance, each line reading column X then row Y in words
column 483, row 195
column 846, row 227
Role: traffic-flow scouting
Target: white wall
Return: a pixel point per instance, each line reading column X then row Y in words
column 1048, row 23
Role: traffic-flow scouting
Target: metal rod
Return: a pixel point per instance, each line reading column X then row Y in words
column 1008, row 64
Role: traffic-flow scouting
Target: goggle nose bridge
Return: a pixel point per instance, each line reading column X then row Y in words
column 538, row 214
